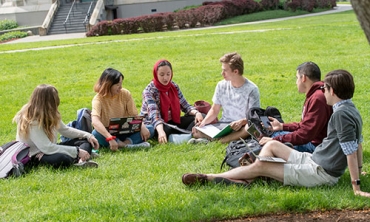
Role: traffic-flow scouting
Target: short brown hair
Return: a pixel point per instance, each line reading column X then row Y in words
column 311, row 70
column 342, row 83
column 234, row 60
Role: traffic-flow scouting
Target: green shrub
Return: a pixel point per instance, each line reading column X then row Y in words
column 12, row 35
column 7, row 24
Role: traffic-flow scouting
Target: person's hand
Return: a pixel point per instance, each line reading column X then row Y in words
column 362, row 193
column 144, row 132
column 200, row 124
column 198, row 117
column 264, row 140
column 113, row 145
column 162, row 137
column 236, row 125
column 275, row 124
column 83, row 155
column 94, row 142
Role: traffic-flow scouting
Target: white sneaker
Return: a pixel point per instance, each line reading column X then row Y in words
column 94, row 155
column 199, row 140
column 143, row 144
column 87, row 164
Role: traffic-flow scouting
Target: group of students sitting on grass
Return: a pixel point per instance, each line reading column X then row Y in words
column 326, row 140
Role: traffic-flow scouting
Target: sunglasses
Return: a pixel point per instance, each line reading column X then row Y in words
column 324, row 87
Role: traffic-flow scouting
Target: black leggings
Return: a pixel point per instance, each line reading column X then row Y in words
column 58, row 160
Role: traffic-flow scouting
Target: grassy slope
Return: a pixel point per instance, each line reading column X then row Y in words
column 145, row 185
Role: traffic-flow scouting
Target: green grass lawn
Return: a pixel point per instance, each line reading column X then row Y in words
column 145, row 185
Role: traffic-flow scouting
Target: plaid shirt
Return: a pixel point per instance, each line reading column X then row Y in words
column 150, row 108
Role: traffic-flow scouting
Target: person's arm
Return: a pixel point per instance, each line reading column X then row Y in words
column 144, row 132
column 352, row 160
column 360, row 160
column 46, row 146
column 151, row 104
column 71, row 132
column 130, row 104
column 211, row 115
column 314, row 121
column 162, row 137
column 254, row 98
column 98, row 126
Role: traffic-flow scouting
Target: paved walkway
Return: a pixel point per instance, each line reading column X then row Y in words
column 37, row 38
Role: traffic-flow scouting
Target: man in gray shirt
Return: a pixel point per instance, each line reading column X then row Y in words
column 234, row 95
column 341, row 148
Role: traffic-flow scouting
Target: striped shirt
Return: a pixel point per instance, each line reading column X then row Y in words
column 150, row 108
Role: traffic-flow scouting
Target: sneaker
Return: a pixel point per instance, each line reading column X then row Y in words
column 87, row 164
column 143, row 144
column 191, row 179
column 198, row 141
column 227, row 182
column 94, row 154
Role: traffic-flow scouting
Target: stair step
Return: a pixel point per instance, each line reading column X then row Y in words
column 75, row 21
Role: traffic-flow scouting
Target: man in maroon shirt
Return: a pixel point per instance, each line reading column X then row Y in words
column 310, row 132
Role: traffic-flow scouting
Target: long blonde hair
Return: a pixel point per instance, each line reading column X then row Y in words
column 42, row 108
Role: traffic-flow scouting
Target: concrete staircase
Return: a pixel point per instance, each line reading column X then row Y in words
column 75, row 21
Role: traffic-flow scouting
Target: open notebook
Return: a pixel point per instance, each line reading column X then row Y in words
column 125, row 125
column 214, row 132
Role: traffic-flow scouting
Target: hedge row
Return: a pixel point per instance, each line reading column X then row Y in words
column 206, row 15
column 7, row 24
column 12, row 35
column 309, row 5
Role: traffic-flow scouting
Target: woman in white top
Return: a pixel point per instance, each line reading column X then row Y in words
column 38, row 123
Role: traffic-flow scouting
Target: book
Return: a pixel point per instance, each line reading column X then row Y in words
column 214, row 132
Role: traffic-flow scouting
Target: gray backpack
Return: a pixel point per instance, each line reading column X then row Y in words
column 13, row 156
column 83, row 122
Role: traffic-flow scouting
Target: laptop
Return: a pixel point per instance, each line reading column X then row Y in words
column 125, row 125
column 264, row 158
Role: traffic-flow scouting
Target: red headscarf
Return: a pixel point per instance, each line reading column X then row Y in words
column 169, row 99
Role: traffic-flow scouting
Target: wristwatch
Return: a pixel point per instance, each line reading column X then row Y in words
column 356, row 182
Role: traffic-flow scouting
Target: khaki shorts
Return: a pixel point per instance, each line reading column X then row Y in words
column 301, row 170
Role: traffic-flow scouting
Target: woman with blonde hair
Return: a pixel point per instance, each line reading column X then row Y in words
column 113, row 101
column 38, row 123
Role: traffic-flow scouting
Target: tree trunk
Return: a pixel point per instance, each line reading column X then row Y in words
column 362, row 10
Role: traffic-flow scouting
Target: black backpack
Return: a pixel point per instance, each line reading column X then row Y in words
column 254, row 114
column 238, row 154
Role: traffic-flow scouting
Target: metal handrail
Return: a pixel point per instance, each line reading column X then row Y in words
column 67, row 18
column 87, row 17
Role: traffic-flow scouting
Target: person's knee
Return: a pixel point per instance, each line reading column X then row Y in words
column 272, row 143
column 270, row 146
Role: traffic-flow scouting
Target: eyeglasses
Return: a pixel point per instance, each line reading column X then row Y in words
column 324, row 87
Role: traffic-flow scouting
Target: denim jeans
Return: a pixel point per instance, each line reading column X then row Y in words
column 134, row 138
column 308, row 147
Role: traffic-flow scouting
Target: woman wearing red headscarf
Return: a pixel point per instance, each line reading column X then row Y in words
column 163, row 102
